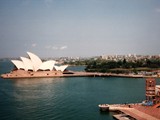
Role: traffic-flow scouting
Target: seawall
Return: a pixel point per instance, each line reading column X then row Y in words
column 46, row 74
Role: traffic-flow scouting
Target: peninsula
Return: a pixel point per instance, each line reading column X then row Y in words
column 33, row 67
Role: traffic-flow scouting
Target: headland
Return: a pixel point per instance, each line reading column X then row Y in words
column 33, row 67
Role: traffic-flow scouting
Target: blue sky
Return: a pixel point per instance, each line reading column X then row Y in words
column 55, row 28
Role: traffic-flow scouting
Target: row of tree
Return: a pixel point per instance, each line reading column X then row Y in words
column 121, row 66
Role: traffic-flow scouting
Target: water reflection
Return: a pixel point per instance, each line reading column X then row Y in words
column 33, row 89
column 36, row 81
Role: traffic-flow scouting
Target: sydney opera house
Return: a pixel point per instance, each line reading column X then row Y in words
column 33, row 66
column 34, row 63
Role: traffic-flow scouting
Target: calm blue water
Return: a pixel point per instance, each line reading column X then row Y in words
column 74, row 98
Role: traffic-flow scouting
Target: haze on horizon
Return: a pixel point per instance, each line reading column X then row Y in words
column 54, row 28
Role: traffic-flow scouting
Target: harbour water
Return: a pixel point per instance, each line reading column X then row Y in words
column 71, row 98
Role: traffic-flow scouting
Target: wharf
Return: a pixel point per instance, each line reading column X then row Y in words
column 46, row 74
column 132, row 111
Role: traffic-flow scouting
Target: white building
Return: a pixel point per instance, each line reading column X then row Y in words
column 34, row 63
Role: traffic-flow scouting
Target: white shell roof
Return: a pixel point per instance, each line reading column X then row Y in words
column 19, row 64
column 47, row 65
column 27, row 63
column 36, row 61
column 61, row 68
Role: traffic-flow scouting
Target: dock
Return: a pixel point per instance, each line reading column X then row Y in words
column 132, row 111
column 50, row 74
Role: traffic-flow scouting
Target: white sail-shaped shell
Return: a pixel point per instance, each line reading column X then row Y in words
column 36, row 61
column 27, row 63
column 19, row 64
column 47, row 65
column 61, row 68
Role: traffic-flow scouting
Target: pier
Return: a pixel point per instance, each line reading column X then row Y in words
column 149, row 109
column 132, row 111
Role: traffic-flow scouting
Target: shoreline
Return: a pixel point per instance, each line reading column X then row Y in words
column 50, row 74
column 133, row 110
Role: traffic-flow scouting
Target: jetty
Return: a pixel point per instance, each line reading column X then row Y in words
column 134, row 111
column 149, row 109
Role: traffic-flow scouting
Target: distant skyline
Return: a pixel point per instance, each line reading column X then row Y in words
column 66, row 28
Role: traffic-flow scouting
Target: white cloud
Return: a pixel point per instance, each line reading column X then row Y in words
column 63, row 47
column 34, row 45
column 56, row 47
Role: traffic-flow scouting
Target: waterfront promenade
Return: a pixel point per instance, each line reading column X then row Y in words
column 141, row 115
column 47, row 74
column 50, row 74
column 134, row 111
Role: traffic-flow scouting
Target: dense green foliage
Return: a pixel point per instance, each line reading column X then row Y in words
column 122, row 66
